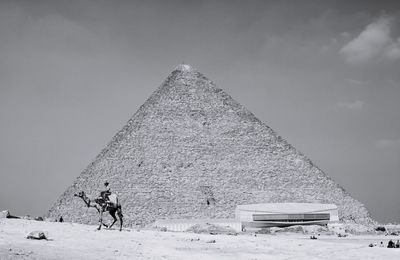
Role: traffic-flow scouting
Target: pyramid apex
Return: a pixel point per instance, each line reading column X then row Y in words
column 184, row 67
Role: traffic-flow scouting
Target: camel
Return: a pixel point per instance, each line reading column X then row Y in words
column 101, row 206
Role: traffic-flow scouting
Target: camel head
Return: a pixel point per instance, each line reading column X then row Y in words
column 81, row 194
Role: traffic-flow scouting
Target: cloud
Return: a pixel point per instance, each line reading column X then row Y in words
column 374, row 42
column 393, row 50
column 356, row 105
column 388, row 143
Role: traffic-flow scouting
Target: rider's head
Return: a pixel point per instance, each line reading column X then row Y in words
column 106, row 183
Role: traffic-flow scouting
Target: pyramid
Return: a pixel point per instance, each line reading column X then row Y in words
column 191, row 151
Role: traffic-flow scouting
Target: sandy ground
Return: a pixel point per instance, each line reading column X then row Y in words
column 76, row 241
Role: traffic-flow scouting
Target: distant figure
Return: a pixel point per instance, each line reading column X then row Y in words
column 61, row 219
column 390, row 244
column 398, row 244
column 381, row 244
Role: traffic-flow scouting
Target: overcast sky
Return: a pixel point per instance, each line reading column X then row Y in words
column 324, row 74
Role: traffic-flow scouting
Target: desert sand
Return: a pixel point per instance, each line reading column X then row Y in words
column 77, row 241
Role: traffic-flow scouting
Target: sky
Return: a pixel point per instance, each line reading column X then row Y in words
column 325, row 75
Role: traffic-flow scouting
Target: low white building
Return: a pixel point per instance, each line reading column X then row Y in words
column 286, row 214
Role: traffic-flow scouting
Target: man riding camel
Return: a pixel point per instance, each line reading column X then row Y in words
column 106, row 202
column 106, row 193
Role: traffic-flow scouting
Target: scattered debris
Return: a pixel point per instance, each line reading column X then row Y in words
column 212, row 229
column 38, row 235
column 19, row 252
column 4, row 214
column 382, row 229
column 391, row 244
column 393, row 229
column 163, row 229
column 359, row 229
column 264, row 231
column 308, row 229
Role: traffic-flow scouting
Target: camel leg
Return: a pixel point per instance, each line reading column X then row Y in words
column 112, row 213
column 100, row 220
column 120, row 216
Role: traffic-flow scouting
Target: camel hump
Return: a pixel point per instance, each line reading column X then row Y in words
column 113, row 198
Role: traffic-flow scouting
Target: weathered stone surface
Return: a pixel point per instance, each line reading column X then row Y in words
column 212, row 229
column 4, row 214
column 38, row 235
column 191, row 151
column 306, row 229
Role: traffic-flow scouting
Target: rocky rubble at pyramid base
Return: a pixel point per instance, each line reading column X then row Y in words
column 338, row 229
